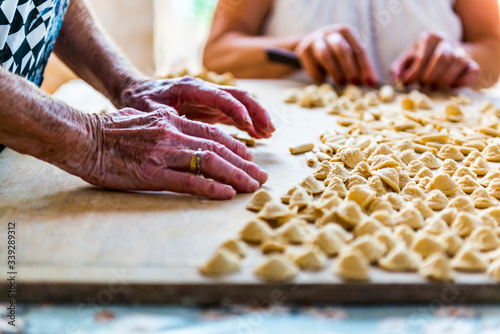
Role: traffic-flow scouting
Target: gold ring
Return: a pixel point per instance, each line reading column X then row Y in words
column 195, row 165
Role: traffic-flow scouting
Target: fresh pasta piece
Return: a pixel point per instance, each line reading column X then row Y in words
column 453, row 112
column 285, row 198
column 337, row 185
column 411, row 192
column 436, row 200
column 362, row 169
column 414, row 167
column 480, row 167
column 427, row 244
column 429, row 160
column 353, row 93
column 383, row 161
column 424, row 209
column 352, row 266
column 387, row 94
column 484, row 239
column 349, row 214
column 449, row 167
column 462, row 203
column 488, row 178
column 494, row 270
column 424, row 102
column 302, row 148
column 468, row 184
column 294, row 232
column 384, row 217
column 382, row 149
column 378, row 185
column 235, row 246
column 464, row 224
column 405, row 233
column 222, row 263
column 274, row 244
column 444, row 183
column 437, row 267
column 338, row 170
column 300, row 199
column 487, row 220
column 362, row 195
column 435, row 226
column 494, row 189
column 450, row 152
column 389, row 176
column 407, row 103
column 494, row 213
column 471, row 158
column 462, row 172
column 351, row 156
column 400, row 259
column 277, row 268
column 404, row 179
column 492, row 152
column 276, row 213
column 311, row 259
column 329, row 200
column 372, row 249
column 359, row 105
column 256, row 231
column 369, row 226
column 469, row 259
column 452, row 241
column 386, row 237
column 329, row 241
column 424, row 172
column 292, row 95
column 258, row 200
column 482, row 199
column 312, row 186
column 356, row 180
column 396, row 201
column 311, row 214
column 408, row 156
column 311, row 159
column 371, row 99
column 379, row 204
column 334, row 108
column 323, row 170
column 410, row 216
column 424, row 182
column 404, row 145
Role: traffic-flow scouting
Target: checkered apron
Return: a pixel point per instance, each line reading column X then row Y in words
column 28, row 31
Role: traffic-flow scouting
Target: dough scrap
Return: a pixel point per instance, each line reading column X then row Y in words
column 222, row 263
column 437, row 267
column 429, row 160
column 436, row 200
column 277, row 268
column 235, row 246
column 484, row 239
column 389, row 176
column 464, row 223
column 471, row 158
column 444, row 183
column 312, row 186
column 469, row 259
column 256, row 231
column 337, row 185
column 352, row 266
column 311, row 259
column 414, row 167
column 363, row 195
column 294, row 231
column 468, row 184
column 400, row 259
column 482, row 199
column 492, row 152
column 449, row 167
column 372, row 249
column 426, row 245
column 258, row 200
column 450, row 152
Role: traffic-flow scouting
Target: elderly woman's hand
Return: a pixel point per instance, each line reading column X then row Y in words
column 201, row 101
column 436, row 61
column 336, row 50
column 133, row 150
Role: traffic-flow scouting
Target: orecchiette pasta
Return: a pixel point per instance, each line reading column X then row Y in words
column 400, row 259
column 468, row 259
column 256, row 231
column 444, row 183
column 430, row 161
column 436, row 200
column 437, row 267
column 426, row 245
column 311, row 259
column 352, row 266
column 235, row 246
column 258, row 200
column 449, row 167
column 294, row 232
column 277, row 268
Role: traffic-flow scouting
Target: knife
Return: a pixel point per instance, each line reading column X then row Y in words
column 283, row 56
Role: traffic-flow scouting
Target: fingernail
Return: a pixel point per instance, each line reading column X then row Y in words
column 271, row 127
column 254, row 185
column 228, row 192
column 263, row 176
column 249, row 156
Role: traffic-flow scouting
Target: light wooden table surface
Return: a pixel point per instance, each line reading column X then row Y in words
column 77, row 242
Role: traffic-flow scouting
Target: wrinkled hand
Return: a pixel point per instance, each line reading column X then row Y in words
column 202, row 101
column 437, row 62
column 336, row 50
column 133, row 150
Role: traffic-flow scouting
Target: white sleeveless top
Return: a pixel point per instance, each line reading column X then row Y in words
column 386, row 27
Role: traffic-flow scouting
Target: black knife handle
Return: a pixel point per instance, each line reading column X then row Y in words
column 283, row 56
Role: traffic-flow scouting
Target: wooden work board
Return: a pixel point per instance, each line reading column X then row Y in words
column 76, row 242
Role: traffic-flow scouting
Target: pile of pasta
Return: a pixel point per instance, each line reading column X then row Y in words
column 408, row 189
column 226, row 79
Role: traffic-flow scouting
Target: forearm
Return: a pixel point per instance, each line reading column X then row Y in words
column 35, row 124
column 245, row 56
column 89, row 53
column 485, row 52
